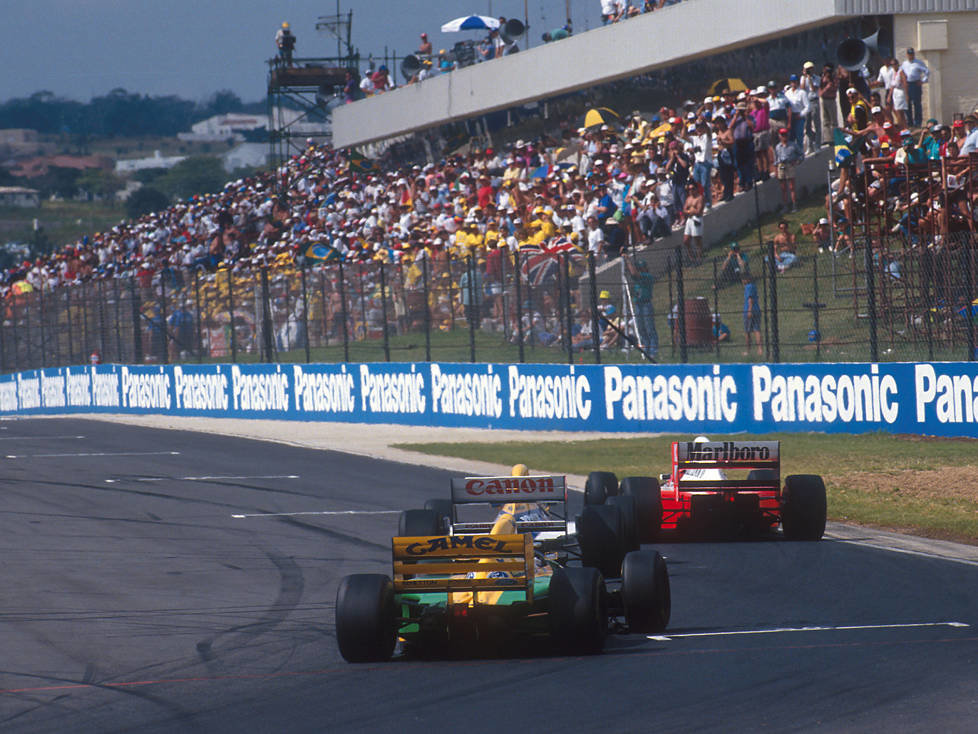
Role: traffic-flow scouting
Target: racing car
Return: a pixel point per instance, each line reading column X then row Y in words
column 462, row 585
column 699, row 495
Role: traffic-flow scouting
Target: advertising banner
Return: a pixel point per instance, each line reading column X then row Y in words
column 930, row 398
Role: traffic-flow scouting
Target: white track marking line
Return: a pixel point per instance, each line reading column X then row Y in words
column 100, row 453
column 907, row 551
column 201, row 479
column 38, row 438
column 776, row 630
column 323, row 512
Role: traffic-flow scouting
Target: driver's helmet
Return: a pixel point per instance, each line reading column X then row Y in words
column 701, row 439
column 513, row 512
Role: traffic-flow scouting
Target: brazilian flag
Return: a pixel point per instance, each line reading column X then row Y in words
column 844, row 146
column 361, row 164
column 322, row 252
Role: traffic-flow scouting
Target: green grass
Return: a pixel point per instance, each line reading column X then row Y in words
column 843, row 460
column 63, row 221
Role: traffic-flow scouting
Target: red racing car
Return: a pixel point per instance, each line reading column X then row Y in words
column 730, row 487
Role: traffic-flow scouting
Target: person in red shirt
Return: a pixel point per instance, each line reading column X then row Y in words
column 485, row 193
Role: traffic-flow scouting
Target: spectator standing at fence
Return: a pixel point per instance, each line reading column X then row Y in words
column 285, row 42
column 787, row 155
column 828, row 92
column 917, row 75
column 702, row 149
column 470, row 285
column 693, row 210
column 752, row 314
column 733, row 267
column 798, row 102
column 642, row 282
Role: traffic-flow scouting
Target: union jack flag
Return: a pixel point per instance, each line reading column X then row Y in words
column 541, row 264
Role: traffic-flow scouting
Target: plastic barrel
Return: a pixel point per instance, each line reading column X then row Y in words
column 699, row 323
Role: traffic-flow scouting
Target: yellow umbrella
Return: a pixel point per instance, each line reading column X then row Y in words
column 600, row 116
column 729, row 84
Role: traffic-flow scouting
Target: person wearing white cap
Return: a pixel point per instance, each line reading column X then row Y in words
column 809, row 82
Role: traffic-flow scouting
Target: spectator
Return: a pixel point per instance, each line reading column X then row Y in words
column 787, row 155
column 425, row 49
column 734, row 266
column 785, row 247
column 702, row 148
column 693, row 211
column 558, row 34
column 742, row 131
column 641, row 283
column 752, row 314
column 828, row 88
column 721, row 332
column 798, row 106
column 917, row 74
column 822, row 235
column 285, row 43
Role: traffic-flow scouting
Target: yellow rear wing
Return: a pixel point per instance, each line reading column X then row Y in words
column 463, row 563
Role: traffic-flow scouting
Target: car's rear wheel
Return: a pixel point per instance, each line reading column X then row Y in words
column 648, row 505
column 366, row 618
column 626, row 506
column 600, row 536
column 645, row 591
column 578, row 610
column 443, row 508
column 419, row 522
column 804, row 507
column 599, row 486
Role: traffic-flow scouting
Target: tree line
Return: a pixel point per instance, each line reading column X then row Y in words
column 119, row 113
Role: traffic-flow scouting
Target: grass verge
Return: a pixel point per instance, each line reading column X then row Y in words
column 926, row 486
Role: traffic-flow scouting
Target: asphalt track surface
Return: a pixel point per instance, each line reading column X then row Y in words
column 135, row 600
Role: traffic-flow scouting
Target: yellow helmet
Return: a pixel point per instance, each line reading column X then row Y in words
column 285, row 26
column 604, row 294
column 520, row 470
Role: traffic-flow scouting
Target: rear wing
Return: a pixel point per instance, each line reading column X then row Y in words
column 689, row 459
column 548, row 489
column 463, row 563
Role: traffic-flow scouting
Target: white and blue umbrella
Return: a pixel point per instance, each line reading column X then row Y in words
column 471, row 23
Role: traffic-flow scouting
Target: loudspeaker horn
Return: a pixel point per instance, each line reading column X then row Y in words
column 853, row 53
column 410, row 66
column 512, row 30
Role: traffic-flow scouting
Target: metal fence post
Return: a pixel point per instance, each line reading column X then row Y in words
column 118, row 320
column 164, row 333
column 383, row 311
column 519, row 304
column 427, row 309
column 234, row 335
column 268, row 344
column 567, row 309
column 197, row 309
column 773, row 301
column 27, row 331
column 305, row 311
column 137, row 332
column 595, row 318
column 40, row 305
column 101, row 321
column 346, row 333
column 715, row 325
column 681, row 302
column 473, row 315
column 969, row 277
column 87, row 337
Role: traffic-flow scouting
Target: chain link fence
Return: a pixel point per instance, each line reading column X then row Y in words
column 853, row 304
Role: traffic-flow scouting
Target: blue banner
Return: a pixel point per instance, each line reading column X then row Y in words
column 931, row 398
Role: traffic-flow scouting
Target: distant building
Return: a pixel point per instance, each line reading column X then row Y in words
column 156, row 160
column 17, row 142
column 34, row 167
column 19, row 196
column 246, row 155
column 222, row 127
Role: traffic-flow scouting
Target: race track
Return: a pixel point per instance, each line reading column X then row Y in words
column 137, row 598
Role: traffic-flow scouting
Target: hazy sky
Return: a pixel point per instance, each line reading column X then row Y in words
column 84, row 48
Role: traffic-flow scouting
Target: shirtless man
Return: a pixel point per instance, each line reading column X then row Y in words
column 693, row 209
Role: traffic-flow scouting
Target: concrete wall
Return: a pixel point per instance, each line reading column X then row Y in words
column 675, row 34
column 948, row 44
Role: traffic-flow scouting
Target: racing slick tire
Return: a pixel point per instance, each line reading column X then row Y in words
column 366, row 618
column 626, row 506
column 601, row 537
column 419, row 522
column 645, row 591
column 578, row 610
column 599, row 486
column 803, row 507
column 648, row 505
column 444, row 510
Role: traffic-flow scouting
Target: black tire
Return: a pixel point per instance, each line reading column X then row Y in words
column 626, row 506
column 419, row 522
column 648, row 506
column 645, row 591
column 599, row 486
column 444, row 510
column 803, row 507
column 366, row 618
column 599, row 533
column 578, row 610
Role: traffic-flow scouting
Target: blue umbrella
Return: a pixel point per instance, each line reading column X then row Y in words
column 470, row 23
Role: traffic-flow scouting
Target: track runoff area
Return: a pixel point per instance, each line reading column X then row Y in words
column 161, row 581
